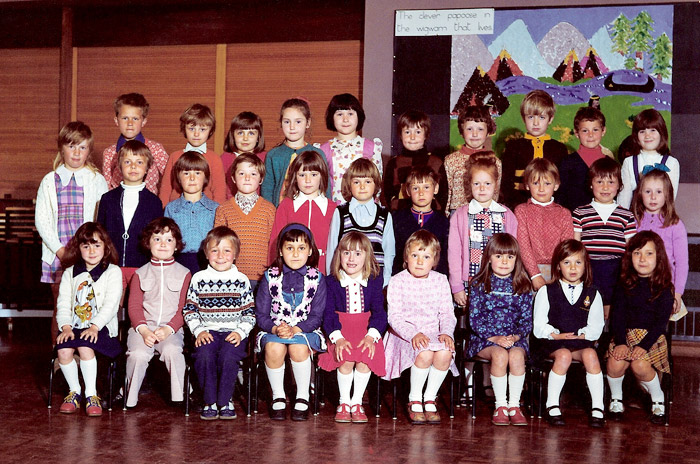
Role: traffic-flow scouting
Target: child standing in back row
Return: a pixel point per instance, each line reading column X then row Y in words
column 537, row 111
column 245, row 135
column 67, row 198
column 197, row 124
column 295, row 118
column 130, row 115
column 346, row 116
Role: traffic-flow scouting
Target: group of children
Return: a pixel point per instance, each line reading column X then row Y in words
column 296, row 242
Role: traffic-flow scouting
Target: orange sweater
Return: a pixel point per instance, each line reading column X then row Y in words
column 253, row 229
column 216, row 189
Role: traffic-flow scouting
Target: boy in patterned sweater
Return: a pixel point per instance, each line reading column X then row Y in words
column 220, row 313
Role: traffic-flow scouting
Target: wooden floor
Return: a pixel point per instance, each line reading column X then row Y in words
column 155, row 432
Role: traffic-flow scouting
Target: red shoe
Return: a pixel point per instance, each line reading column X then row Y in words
column 500, row 416
column 431, row 417
column 358, row 413
column 516, row 416
column 416, row 417
column 93, row 407
column 342, row 414
column 71, row 403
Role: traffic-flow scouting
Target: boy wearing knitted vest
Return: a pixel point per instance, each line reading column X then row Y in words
column 130, row 115
column 537, row 111
column 249, row 215
column 542, row 224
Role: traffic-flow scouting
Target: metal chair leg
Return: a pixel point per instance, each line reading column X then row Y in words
column 187, row 391
column 48, row 400
column 378, row 408
column 394, row 412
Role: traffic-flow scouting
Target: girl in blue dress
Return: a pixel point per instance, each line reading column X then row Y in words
column 289, row 309
column 500, row 315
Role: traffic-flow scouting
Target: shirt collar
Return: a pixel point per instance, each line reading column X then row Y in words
column 302, row 270
column 121, row 140
column 346, row 280
column 96, row 272
column 65, row 174
column 475, row 207
column 370, row 206
column 138, row 188
column 320, row 200
column 162, row 262
column 551, row 200
column 565, row 285
column 200, row 149
column 205, row 202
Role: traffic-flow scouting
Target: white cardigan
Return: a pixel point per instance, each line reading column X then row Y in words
column 46, row 213
column 108, row 292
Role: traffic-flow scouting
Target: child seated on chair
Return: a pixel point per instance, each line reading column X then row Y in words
column 156, row 297
column 220, row 313
column 422, row 321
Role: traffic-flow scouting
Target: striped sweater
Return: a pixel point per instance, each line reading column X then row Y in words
column 604, row 239
column 220, row 301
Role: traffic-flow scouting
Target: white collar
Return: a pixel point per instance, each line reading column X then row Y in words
column 320, row 200
column 475, row 207
column 565, row 285
column 200, row 149
column 540, row 203
column 346, row 280
column 597, row 204
column 138, row 188
column 371, row 206
column 65, row 174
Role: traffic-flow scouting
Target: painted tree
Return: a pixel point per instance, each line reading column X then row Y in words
column 621, row 32
column 661, row 55
column 641, row 37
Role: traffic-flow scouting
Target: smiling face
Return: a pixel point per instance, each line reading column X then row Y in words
column 345, row 122
column 502, row 264
column 644, row 259
column 362, row 189
column 309, row 182
column 75, row 155
column 413, row 137
column 483, row 187
column 294, row 125
column 590, row 133
column 649, row 139
column 162, row 245
column 422, row 194
column 542, row 188
column 653, row 195
column 572, row 268
column 197, row 134
column 536, row 124
column 353, row 262
column 222, row 255
column 92, row 253
column 246, row 178
column 133, row 168
column 420, row 262
column 605, row 189
column 475, row 134
column 130, row 120
column 246, row 140
column 295, row 254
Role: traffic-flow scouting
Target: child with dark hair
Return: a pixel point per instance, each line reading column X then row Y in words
column 130, row 115
column 194, row 211
column 245, row 135
column 197, row 124
column 413, row 127
column 125, row 210
column 156, row 298
column 475, row 125
column 345, row 116
column 291, row 300
column 88, row 301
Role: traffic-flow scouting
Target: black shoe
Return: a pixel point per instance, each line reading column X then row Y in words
column 298, row 415
column 658, row 417
column 596, row 422
column 556, row 421
column 278, row 414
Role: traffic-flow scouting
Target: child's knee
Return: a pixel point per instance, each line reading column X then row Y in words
column 138, row 356
column 424, row 359
column 298, row 353
column 563, row 357
column 65, row 355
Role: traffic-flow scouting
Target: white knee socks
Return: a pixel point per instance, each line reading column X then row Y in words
column 515, row 389
column 555, row 383
column 89, row 370
column 500, row 386
column 276, row 379
column 595, row 387
column 615, row 384
column 302, row 377
column 418, row 377
column 654, row 388
column 70, row 372
column 361, row 380
column 344, row 387
column 435, row 379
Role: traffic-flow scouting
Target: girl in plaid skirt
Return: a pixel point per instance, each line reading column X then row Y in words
column 641, row 305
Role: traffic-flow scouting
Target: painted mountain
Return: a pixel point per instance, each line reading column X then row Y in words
column 503, row 67
column 592, row 65
column 518, row 41
column 569, row 70
column 482, row 90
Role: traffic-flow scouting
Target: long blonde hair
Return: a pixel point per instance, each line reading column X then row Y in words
column 352, row 241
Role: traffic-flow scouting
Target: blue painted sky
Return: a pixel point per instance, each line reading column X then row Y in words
column 588, row 20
